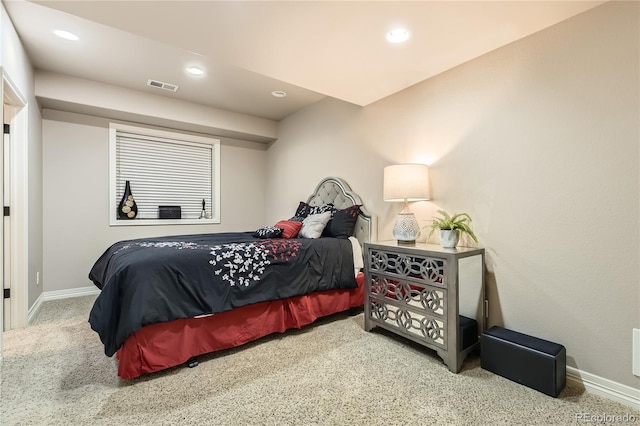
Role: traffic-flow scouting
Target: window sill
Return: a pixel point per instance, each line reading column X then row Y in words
column 144, row 222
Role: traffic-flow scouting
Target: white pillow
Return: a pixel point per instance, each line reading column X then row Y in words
column 358, row 259
column 314, row 224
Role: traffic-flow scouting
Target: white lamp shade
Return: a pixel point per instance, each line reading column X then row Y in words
column 406, row 182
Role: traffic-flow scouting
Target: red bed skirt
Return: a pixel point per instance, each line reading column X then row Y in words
column 164, row 345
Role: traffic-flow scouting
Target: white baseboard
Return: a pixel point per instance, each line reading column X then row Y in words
column 33, row 310
column 60, row 294
column 604, row 387
column 72, row 292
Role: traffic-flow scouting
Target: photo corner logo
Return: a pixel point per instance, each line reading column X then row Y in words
column 605, row 418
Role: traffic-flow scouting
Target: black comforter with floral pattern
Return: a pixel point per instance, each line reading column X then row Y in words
column 152, row 280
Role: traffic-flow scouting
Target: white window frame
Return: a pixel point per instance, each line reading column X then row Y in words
column 170, row 137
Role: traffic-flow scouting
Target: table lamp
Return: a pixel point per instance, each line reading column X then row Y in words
column 406, row 182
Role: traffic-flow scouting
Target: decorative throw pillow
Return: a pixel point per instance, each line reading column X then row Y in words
column 302, row 210
column 314, row 224
column 342, row 223
column 305, row 210
column 289, row 228
column 268, row 232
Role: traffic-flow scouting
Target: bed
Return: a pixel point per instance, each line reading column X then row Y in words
column 166, row 300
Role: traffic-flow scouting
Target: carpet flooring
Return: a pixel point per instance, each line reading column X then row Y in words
column 54, row 372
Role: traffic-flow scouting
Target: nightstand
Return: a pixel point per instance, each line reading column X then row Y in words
column 428, row 294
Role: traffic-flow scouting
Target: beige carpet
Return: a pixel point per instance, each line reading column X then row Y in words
column 331, row 373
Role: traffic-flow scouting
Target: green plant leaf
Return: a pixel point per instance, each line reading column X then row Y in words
column 457, row 221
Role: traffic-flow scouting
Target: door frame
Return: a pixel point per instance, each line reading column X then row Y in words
column 15, row 113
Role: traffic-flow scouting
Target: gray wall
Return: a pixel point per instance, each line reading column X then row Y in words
column 76, row 196
column 539, row 142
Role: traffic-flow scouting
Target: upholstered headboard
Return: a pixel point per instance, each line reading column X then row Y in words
column 337, row 191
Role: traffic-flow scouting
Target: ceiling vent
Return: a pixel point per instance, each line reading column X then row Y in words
column 161, row 85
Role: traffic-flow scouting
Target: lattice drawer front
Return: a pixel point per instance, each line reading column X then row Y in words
column 427, row 269
column 433, row 300
column 430, row 329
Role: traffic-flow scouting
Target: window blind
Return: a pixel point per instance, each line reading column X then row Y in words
column 165, row 172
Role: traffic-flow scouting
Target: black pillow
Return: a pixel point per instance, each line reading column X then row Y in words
column 302, row 210
column 268, row 232
column 343, row 223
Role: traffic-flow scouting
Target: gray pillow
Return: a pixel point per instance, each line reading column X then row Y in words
column 314, row 224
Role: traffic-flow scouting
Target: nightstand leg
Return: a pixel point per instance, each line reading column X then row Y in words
column 451, row 360
column 367, row 315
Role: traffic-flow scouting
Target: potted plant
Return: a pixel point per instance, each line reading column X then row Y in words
column 450, row 228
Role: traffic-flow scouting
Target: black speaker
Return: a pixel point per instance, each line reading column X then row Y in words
column 468, row 329
column 530, row 361
column 169, row 212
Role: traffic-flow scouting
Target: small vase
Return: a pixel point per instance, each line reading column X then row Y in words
column 127, row 209
column 449, row 238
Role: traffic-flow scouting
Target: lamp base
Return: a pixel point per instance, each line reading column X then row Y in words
column 406, row 229
column 406, row 243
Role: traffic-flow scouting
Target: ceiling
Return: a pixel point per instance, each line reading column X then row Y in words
column 248, row 49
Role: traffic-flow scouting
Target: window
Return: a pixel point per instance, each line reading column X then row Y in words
column 164, row 169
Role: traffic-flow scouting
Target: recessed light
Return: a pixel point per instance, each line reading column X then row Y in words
column 398, row 35
column 66, row 35
column 279, row 93
column 195, row 71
